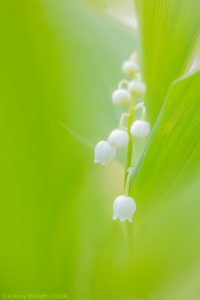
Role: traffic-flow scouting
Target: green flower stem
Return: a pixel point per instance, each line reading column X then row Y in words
column 130, row 246
column 123, row 84
column 123, row 117
column 129, row 172
column 130, row 144
column 127, row 175
column 143, row 116
column 143, row 109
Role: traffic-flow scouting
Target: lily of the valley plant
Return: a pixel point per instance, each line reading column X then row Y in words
column 128, row 94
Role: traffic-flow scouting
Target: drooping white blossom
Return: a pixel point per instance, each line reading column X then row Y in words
column 118, row 138
column 140, row 128
column 127, row 93
column 130, row 68
column 104, row 153
column 121, row 97
column 137, row 88
column 123, row 208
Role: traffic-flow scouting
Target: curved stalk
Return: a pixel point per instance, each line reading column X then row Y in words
column 130, row 144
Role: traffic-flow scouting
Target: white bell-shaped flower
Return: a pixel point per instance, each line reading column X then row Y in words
column 123, row 208
column 140, row 128
column 130, row 68
column 121, row 97
column 137, row 88
column 104, row 153
column 118, row 138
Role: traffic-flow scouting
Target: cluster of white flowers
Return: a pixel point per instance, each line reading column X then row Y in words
column 105, row 150
column 128, row 91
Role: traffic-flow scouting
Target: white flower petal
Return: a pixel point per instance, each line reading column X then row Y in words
column 140, row 128
column 104, row 153
column 121, row 97
column 130, row 68
column 123, row 208
column 137, row 88
column 118, row 138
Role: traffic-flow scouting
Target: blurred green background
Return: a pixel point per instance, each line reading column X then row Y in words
column 59, row 63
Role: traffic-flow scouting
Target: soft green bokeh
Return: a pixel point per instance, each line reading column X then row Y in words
column 59, row 63
column 167, row 190
column 169, row 33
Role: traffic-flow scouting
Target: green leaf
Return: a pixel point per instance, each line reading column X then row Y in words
column 169, row 32
column 167, row 242
column 174, row 141
column 166, row 189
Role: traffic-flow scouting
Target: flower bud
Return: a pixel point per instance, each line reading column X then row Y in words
column 134, row 56
column 121, row 97
column 130, row 68
column 140, row 128
column 123, row 208
column 104, row 153
column 118, row 138
column 137, row 88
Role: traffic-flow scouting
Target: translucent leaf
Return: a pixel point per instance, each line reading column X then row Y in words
column 166, row 189
column 169, row 31
column 174, row 141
